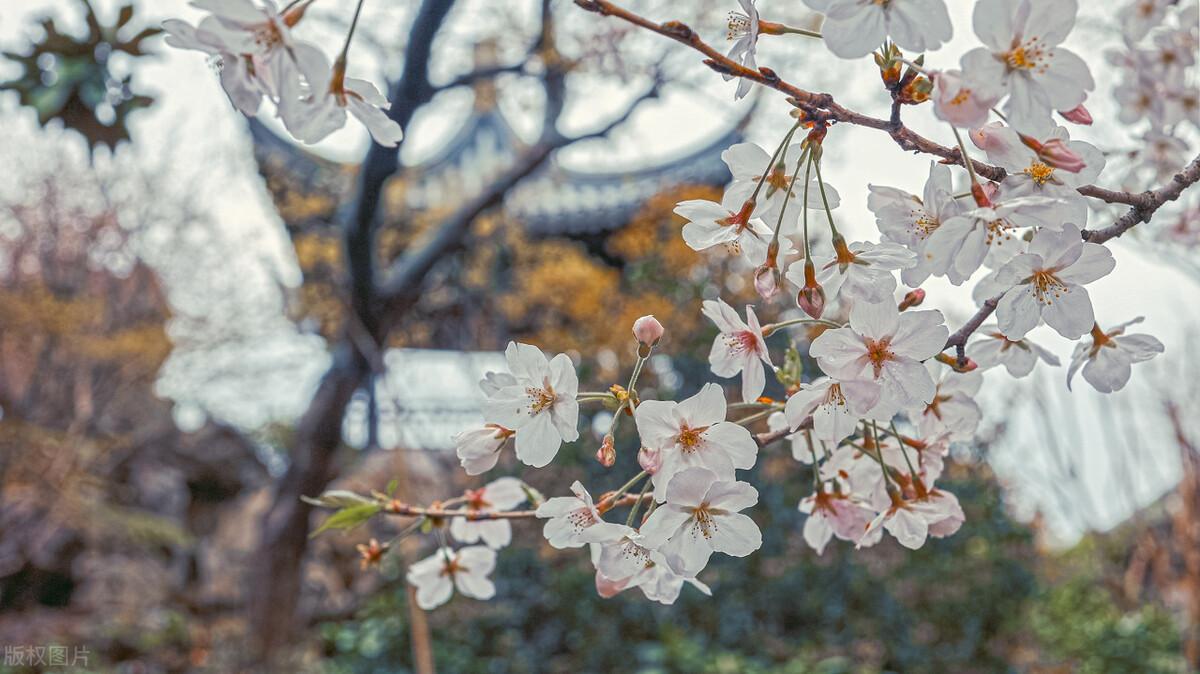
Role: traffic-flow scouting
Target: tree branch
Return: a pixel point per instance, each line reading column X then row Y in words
column 821, row 106
column 1150, row 202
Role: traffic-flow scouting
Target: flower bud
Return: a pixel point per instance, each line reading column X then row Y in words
column 1058, row 153
column 650, row 459
column 914, row 298
column 766, row 281
column 647, row 330
column 607, row 454
column 811, row 298
column 1078, row 114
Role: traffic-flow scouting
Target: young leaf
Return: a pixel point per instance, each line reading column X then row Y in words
column 348, row 518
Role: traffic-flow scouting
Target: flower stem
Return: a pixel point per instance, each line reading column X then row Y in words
column 782, row 148
column 965, row 157
column 341, row 59
column 625, row 487
column 825, row 200
column 638, row 503
column 787, row 197
column 770, row 328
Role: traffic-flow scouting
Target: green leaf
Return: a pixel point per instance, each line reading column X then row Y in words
column 391, row 487
column 348, row 518
column 337, row 498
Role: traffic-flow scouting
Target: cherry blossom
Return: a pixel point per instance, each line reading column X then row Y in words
column 858, row 271
column 747, row 162
column 883, row 346
column 1033, row 173
column 436, row 576
column 625, row 563
column 701, row 516
column 255, row 43
column 853, row 28
column 833, row 514
column 743, row 32
column 1022, row 58
column 731, row 223
column 1047, row 282
column 992, row 348
column 540, row 406
column 478, row 449
column 505, row 493
column 694, row 433
column 1107, row 359
column 834, row 414
column 740, row 347
column 908, row 220
column 315, row 109
column 957, row 102
column 962, row 243
column 574, row 520
column 953, row 409
column 647, row 330
column 911, row 522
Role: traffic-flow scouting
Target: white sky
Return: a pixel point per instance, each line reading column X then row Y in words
column 193, row 120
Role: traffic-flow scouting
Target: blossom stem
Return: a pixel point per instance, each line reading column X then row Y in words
column 747, row 406
column 638, row 503
column 911, row 471
column 786, row 30
column 630, row 390
column 746, row 421
column 825, row 200
column 966, row 159
column 788, row 197
column 341, row 59
column 816, row 466
column 804, row 211
column 914, row 66
column 611, row 498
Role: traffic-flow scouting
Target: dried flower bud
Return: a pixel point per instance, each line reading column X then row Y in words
column 607, row 454
column 650, row 459
column 647, row 330
column 914, row 298
column 1078, row 114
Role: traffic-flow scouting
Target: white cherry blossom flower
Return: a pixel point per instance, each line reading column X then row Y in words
column 478, row 449
column 833, row 514
column 908, row 220
column 505, row 493
column 956, row 101
column 1022, row 58
column 436, row 576
column 319, row 107
column 953, row 409
column 694, row 433
column 747, row 162
column 885, row 347
column 701, row 516
column 740, row 347
column 575, row 520
column 260, row 37
column 540, row 406
column 1107, row 360
column 1047, row 282
column 992, row 348
column 777, row 421
column 938, row 514
column 625, row 563
column 858, row 271
column 835, row 414
column 963, row 243
column 1138, row 17
column 743, row 32
column 1029, row 174
column 237, row 72
column 853, row 28
column 732, row 223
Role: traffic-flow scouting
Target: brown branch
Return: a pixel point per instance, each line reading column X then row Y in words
column 1149, row 202
column 821, row 106
column 959, row 339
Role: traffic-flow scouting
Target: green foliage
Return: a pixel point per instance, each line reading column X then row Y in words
column 68, row 78
column 1079, row 622
column 348, row 518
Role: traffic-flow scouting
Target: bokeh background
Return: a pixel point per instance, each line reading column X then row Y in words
column 185, row 351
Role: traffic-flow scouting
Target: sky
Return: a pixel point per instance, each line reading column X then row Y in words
column 193, row 120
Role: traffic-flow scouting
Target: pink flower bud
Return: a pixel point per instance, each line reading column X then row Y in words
column 648, row 330
column 607, row 454
column 1058, row 154
column 650, row 459
column 766, row 281
column 912, row 299
column 1078, row 114
column 811, row 298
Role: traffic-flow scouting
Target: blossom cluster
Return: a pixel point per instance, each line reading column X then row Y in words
column 893, row 388
column 258, row 57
